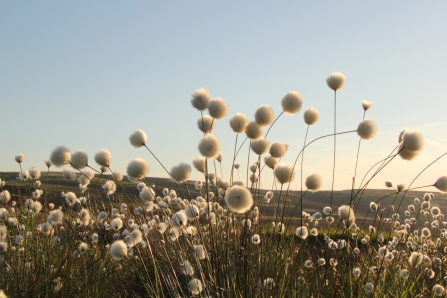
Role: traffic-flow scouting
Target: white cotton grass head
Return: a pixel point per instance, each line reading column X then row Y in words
column 195, row 286
column 200, row 99
column 302, row 232
column 314, row 182
column 311, row 116
column 34, row 173
column 238, row 123
column 291, row 102
column 367, row 129
column 219, row 157
column 253, row 130
column 147, row 194
column 270, row 161
column 5, row 196
column 209, row 146
column 118, row 250
column 413, row 140
column 19, row 158
column 69, row 174
column 264, row 115
column 79, row 159
column 255, row 239
column 137, row 169
column 415, row 259
column 116, row 223
column 138, row 138
column 55, row 217
column 180, row 172
column 284, row 172
column 60, row 156
column 217, row 108
column 186, row 268
column 206, row 123
column 278, row 149
column 335, row 80
column 103, row 158
column 260, row 146
column 199, row 163
column 48, row 163
column 346, row 214
column 366, row 104
column 239, row 199
column 441, row 184
column 192, row 212
column 438, row 290
column 86, row 176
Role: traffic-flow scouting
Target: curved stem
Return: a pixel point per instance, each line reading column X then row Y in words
column 272, row 124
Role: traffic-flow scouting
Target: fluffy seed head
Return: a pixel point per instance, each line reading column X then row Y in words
column 347, row 215
column 264, row 115
column 406, row 154
column 55, row 217
column 302, row 232
column 238, row 199
column 206, row 123
column 48, row 163
column 79, row 159
column 19, row 158
column 138, row 138
column 103, row 158
column 86, row 176
column 217, row 108
column 270, row 161
column 34, row 173
column 200, row 99
column 60, row 156
column 195, row 286
column 69, row 174
column 118, row 250
column 5, row 196
column 260, row 146
column 147, row 194
column 291, row 102
column 366, row 104
column 278, row 149
column 209, row 146
column 367, row 129
column 219, row 158
column 413, row 140
column 284, row 173
column 180, row 172
column 137, row 169
column 311, row 116
column 199, row 163
column 335, row 80
column 313, row 182
column 253, row 130
column 438, row 290
column 415, row 258
column 441, row 184
column 238, row 123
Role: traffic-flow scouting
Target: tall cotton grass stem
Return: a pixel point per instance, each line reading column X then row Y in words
column 301, row 175
column 357, row 159
column 270, row 127
column 178, row 186
column 248, row 160
column 335, row 141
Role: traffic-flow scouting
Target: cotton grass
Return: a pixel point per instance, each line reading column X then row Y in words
column 209, row 146
column 239, row 199
column 291, row 102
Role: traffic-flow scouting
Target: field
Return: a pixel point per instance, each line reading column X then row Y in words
column 89, row 231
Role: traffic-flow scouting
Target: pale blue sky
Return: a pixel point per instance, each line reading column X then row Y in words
column 86, row 74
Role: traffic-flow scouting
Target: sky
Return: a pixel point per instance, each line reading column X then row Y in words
column 86, row 74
